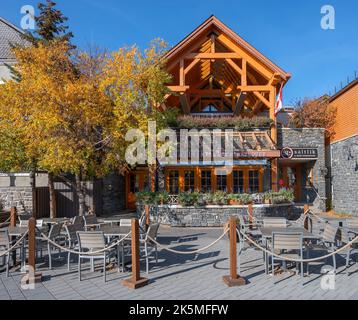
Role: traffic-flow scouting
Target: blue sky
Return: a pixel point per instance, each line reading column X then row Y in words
column 286, row 31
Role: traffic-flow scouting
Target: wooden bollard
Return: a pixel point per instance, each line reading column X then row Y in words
column 33, row 276
column 13, row 217
column 135, row 281
column 147, row 216
column 251, row 215
column 233, row 280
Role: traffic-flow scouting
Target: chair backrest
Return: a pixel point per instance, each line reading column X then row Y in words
column 55, row 231
column 287, row 241
column 329, row 233
column 90, row 220
column 72, row 230
column 153, row 231
column 275, row 223
column 78, row 220
column 125, row 222
column 25, row 223
column 4, row 239
column 352, row 223
column 91, row 240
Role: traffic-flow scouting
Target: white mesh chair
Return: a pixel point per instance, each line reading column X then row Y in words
column 5, row 244
column 92, row 242
column 345, row 239
column 91, row 222
column 275, row 223
column 149, row 244
column 287, row 245
column 72, row 239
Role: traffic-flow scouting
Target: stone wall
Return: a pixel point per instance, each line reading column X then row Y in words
column 309, row 138
column 344, row 156
column 215, row 216
column 19, row 197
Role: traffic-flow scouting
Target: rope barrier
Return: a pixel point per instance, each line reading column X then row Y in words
column 188, row 252
column 298, row 260
column 89, row 253
column 3, row 253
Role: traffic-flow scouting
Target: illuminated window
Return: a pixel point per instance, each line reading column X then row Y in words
column 134, row 183
column 210, row 109
column 189, row 181
column 174, row 182
column 238, row 183
column 206, row 181
column 254, row 181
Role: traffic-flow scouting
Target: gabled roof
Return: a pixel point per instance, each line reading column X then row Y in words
column 212, row 21
column 9, row 35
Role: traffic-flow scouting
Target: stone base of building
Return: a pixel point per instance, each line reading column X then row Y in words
column 216, row 216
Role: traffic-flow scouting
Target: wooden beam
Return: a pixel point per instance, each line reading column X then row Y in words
column 216, row 55
column 240, row 103
column 210, row 93
column 181, row 73
column 194, row 101
column 213, row 49
column 244, row 73
column 184, row 101
column 255, row 88
column 178, row 88
column 262, row 98
column 234, row 66
column 191, row 66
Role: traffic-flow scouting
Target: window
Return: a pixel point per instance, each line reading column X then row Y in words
column 210, row 108
column 238, row 183
column 221, row 183
column 254, row 181
column 206, row 181
column 174, row 182
column 189, row 181
column 134, row 183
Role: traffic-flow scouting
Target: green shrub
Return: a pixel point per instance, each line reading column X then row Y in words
column 280, row 197
column 162, row 197
column 189, row 199
column 245, row 198
column 146, row 198
column 219, row 198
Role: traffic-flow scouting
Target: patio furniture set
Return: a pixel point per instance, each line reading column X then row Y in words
column 88, row 237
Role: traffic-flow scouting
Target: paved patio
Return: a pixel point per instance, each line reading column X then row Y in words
column 185, row 277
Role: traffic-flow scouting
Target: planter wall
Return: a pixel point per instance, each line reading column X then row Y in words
column 215, row 216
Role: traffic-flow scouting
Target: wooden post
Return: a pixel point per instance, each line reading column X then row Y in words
column 135, row 281
column 233, row 280
column 251, row 215
column 33, row 277
column 147, row 216
column 306, row 210
column 13, row 217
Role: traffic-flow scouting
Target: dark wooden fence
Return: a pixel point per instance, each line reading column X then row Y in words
column 67, row 198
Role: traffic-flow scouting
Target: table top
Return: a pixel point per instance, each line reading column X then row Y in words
column 54, row 220
column 18, row 231
column 114, row 230
column 267, row 232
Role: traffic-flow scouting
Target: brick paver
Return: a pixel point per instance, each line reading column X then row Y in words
column 184, row 277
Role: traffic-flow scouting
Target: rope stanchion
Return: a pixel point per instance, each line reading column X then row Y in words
column 136, row 281
column 355, row 240
column 188, row 252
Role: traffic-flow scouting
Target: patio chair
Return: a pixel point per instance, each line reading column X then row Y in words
column 56, row 236
column 344, row 239
column 274, row 223
column 125, row 222
column 94, row 241
column 287, row 245
column 352, row 223
column 5, row 244
column 78, row 220
column 147, row 243
column 326, row 243
column 25, row 223
column 72, row 239
column 303, row 221
column 91, row 222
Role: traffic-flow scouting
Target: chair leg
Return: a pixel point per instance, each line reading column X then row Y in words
column 49, row 256
column 348, row 258
column 146, row 258
column 156, row 254
column 7, row 264
column 79, row 268
column 104, row 268
column 334, row 263
column 68, row 260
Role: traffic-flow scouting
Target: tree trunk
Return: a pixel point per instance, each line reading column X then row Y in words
column 51, row 187
column 80, row 194
column 33, row 190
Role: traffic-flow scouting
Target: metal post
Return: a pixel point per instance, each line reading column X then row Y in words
column 135, row 281
column 251, row 215
column 13, row 221
column 233, row 280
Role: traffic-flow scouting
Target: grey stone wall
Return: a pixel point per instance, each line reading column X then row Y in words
column 19, row 197
column 215, row 216
column 309, row 138
column 345, row 175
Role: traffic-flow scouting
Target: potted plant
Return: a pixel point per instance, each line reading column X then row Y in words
column 246, row 199
column 220, row 198
column 207, row 199
column 268, row 197
column 233, row 199
column 188, row 199
column 163, row 198
column 145, row 198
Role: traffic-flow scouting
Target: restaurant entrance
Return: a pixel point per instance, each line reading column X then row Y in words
column 291, row 177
